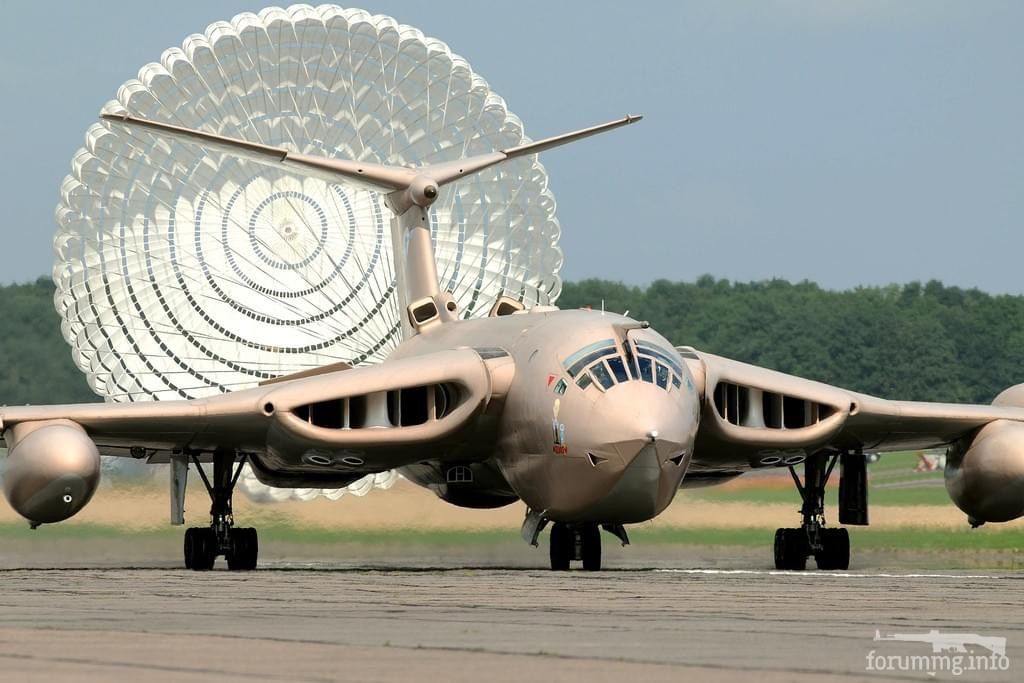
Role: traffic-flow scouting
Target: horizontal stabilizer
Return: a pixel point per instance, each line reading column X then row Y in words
column 387, row 179
column 371, row 176
column 451, row 171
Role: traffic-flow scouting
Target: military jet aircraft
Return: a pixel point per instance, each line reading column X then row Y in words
column 593, row 420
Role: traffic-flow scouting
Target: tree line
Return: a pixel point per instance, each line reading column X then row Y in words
column 914, row 341
column 925, row 342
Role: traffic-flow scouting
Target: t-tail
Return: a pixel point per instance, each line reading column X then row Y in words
column 409, row 193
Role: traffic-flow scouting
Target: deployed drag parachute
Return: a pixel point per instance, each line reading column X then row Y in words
column 183, row 272
column 261, row 493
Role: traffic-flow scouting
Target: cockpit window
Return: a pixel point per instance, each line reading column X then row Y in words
column 602, row 365
column 661, row 375
column 577, row 362
column 659, row 353
column 630, row 360
column 646, row 371
column 618, row 369
column 602, row 376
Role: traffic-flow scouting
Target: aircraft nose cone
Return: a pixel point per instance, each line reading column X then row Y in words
column 637, row 491
column 660, row 421
column 645, row 434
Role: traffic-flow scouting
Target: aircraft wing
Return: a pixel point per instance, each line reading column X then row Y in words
column 752, row 416
column 384, row 415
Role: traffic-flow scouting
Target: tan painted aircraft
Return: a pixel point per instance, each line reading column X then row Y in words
column 594, row 420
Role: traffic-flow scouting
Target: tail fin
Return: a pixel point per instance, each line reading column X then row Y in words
column 409, row 193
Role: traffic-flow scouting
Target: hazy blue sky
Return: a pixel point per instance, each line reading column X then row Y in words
column 845, row 141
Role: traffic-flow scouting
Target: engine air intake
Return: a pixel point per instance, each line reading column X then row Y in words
column 748, row 407
column 406, row 407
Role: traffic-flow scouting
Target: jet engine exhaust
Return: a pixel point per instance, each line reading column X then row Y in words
column 52, row 472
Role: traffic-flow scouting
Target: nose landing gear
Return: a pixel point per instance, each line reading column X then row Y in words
column 240, row 547
column 829, row 546
column 581, row 542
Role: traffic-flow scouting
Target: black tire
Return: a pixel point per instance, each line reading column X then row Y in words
column 779, row 549
column 254, row 548
column 244, row 549
column 791, row 549
column 835, row 550
column 200, row 549
column 561, row 546
column 591, row 547
column 210, row 550
column 190, row 544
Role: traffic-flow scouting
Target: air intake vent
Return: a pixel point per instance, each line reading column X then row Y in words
column 405, row 407
column 747, row 407
column 505, row 306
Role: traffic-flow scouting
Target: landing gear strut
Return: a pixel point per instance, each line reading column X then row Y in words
column 575, row 542
column 240, row 547
column 830, row 547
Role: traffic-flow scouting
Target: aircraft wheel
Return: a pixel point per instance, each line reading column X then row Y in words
column 835, row 550
column 791, row 549
column 591, row 547
column 561, row 546
column 200, row 548
column 190, row 542
column 244, row 549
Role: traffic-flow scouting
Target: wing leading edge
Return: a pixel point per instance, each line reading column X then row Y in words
column 382, row 415
column 753, row 416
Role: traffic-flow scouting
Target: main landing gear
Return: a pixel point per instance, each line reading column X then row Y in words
column 203, row 545
column 830, row 547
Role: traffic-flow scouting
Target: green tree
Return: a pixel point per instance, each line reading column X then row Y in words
column 35, row 362
column 914, row 341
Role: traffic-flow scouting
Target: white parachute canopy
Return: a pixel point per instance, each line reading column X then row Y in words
column 184, row 273
column 261, row 493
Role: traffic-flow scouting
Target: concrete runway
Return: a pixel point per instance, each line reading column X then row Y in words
column 318, row 622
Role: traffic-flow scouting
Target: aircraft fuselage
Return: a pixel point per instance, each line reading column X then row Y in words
column 598, row 423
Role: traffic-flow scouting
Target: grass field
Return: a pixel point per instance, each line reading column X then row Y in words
column 892, row 482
